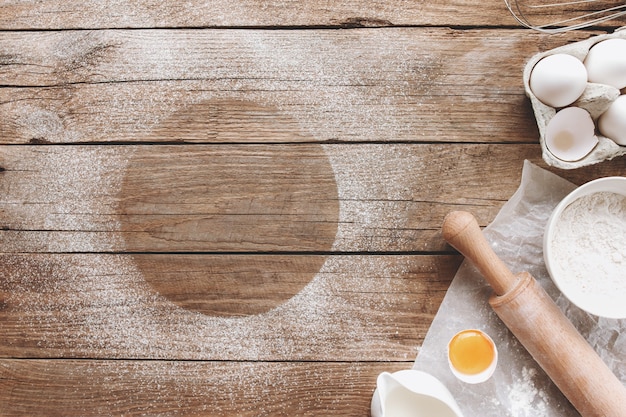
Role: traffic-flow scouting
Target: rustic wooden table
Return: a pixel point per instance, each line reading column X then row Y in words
column 234, row 207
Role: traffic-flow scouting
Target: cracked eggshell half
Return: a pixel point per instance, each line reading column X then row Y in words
column 570, row 134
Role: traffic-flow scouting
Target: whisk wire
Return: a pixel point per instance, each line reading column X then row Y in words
column 522, row 12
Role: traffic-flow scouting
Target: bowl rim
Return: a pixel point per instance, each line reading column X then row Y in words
column 616, row 184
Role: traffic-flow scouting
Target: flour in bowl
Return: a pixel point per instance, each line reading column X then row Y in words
column 589, row 244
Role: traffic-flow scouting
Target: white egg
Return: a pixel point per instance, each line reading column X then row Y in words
column 570, row 134
column 612, row 123
column 606, row 63
column 558, row 80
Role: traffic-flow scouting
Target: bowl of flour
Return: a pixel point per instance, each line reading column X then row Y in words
column 584, row 247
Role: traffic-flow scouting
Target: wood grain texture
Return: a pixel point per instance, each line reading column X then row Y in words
column 245, row 13
column 400, row 84
column 183, row 198
column 139, row 388
column 60, row 14
column 140, row 306
column 234, row 207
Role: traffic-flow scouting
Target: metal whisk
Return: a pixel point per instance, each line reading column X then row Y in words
column 565, row 15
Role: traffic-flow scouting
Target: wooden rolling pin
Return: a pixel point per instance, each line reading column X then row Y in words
column 537, row 322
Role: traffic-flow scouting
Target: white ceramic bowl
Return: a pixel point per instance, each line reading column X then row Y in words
column 594, row 292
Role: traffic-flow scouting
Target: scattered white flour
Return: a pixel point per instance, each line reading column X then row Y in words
column 589, row 244
column 99, row 305
column 524, row 398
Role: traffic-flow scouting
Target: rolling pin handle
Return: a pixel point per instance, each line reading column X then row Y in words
column 461, row 230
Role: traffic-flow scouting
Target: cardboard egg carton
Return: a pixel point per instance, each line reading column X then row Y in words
column 596, row 99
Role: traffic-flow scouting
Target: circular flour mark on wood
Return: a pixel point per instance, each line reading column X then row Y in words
column 220, row 228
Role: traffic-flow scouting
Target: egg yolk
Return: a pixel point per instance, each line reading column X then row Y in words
column 471, row 352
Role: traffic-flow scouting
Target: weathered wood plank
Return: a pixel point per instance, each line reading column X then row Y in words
column 139, row 388
column 252, row 198
column 400, row 84
column 220, row 307
column 64, row 14
column 61, row 57
column 241, row 198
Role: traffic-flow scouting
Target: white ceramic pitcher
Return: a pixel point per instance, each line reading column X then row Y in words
column 412, row 393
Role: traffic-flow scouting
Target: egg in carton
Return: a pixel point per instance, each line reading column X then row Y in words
column 596, row 99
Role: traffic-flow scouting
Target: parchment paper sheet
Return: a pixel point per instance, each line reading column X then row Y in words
column 519, row 388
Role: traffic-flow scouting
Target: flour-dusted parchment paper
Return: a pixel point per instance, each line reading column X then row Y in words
column 519, row 387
